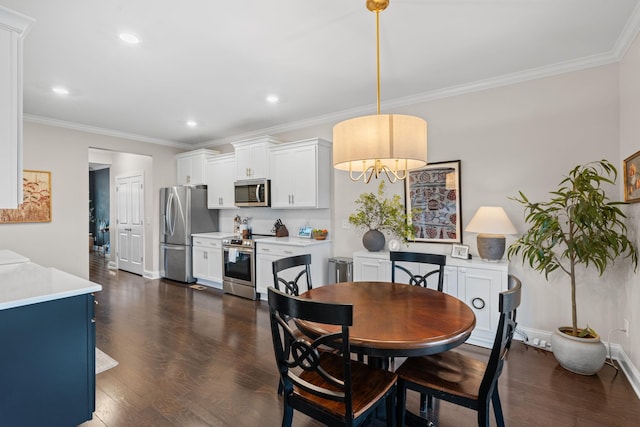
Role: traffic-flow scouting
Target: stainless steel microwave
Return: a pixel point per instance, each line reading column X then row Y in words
column 253, row 192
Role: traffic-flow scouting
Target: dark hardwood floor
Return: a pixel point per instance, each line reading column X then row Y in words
column 200, row 358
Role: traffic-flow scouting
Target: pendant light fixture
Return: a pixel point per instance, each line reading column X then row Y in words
column 392, row 144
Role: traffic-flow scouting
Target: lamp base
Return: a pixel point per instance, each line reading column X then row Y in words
column 491, row 247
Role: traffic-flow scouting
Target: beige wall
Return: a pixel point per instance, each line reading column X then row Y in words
column 63, row 243
column 629, row 144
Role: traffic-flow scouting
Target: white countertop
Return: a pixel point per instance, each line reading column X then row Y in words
column 25, row 283
column 214, row 234
column 10, row 257
column 292, row 241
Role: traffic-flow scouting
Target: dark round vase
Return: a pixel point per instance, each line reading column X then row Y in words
column 373, row 240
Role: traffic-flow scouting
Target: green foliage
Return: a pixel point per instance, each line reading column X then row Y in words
column 577, row 226
column 376, row 212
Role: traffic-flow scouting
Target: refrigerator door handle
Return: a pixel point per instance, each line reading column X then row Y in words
column 169, row 215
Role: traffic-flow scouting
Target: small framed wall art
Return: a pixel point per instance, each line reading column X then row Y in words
column 460, row 251
column 36, row 205
column 432, row 201
column 632, row 178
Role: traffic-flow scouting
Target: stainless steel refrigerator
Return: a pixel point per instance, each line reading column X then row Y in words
column 183, row 211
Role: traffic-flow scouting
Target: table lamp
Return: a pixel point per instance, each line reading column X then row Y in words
column 491, row 223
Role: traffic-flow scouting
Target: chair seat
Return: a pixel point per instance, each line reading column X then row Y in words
column 368, row 386
column 451, row 372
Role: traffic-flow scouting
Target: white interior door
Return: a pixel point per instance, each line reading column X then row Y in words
column 130, row 197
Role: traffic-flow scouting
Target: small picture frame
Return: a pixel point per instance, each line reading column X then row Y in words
column 460, row 251
column 632, row 178
column 305, row 232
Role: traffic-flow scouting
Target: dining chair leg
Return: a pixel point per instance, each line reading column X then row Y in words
column 391, row 408
column 287, row 417
column 401, row 402
column 280, row 388
column 497, row 407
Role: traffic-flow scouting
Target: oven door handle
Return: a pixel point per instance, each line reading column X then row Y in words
column 243, row 250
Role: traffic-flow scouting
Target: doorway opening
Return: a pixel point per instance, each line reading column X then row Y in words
column 99, row 207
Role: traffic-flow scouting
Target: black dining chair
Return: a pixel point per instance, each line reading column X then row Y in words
column 292, row 287
column 438, row 261
column 327, row 386
column 461, row 379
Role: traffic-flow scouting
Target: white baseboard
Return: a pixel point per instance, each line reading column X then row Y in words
column 629, row 369
column 147, row 274
column 617, row 353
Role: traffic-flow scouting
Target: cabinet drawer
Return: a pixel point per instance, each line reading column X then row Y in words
column 206, row 243
column 280, row 250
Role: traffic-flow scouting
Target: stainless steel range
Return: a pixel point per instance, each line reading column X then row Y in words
column 239, row 267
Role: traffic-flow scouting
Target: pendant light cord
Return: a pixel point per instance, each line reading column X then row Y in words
column 378, row 55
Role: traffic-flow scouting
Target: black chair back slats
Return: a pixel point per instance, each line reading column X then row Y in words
column 292, row 287
column 439, row 261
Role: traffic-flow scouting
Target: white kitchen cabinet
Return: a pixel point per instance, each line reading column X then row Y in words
column 271, row 249
column 475, row 282
column 301, row 174
column 220, row 175
column 207, row 259
column 191, row 166
column 13, row 29
column 252, row 157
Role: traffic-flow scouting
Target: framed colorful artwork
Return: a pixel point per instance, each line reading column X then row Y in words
column 432, row 201
column 632, row 178
column 36, row 205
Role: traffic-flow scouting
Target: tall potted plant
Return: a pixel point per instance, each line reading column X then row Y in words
column 579, row 225
column 377, row 213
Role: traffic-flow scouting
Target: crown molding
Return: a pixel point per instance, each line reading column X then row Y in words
column 102, row 131
column 628, row 34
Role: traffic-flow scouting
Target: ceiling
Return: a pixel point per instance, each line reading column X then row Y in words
column 215, row 62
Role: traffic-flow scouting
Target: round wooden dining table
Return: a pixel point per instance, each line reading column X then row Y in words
column 395, row 319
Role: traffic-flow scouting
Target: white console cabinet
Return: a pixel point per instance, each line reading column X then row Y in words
column 191, row 166
column 13, row 28
column 301, row 174
column 273, row 248
column 207, row 259
column 475, row 282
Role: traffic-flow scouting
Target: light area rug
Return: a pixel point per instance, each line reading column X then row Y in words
column 104, row 361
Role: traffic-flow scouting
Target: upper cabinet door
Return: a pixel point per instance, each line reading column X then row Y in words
column 252, row 157
column 13, row 28
column 219, row 180
column 191, row 166
column 301, row 175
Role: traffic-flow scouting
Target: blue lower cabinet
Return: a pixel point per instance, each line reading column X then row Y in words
column 47, row 363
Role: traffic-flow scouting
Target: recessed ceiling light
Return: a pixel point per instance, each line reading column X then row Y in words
column 192, row 123
column 129, row 38
column 60, row 90
column 272, row 99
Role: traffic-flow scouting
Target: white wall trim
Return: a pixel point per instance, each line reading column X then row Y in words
column 628, row 34
column 617, row 353
column 152, row 275
column 102, row 131
column 629, row 369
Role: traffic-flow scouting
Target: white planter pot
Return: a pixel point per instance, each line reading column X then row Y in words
column 584, row 356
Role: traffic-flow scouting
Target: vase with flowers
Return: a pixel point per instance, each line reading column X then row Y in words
column 377, row 213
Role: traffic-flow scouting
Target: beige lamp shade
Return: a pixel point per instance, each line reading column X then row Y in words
column 491, row 220
column 396, row 141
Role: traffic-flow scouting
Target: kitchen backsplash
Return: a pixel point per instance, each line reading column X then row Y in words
column 262, row 219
